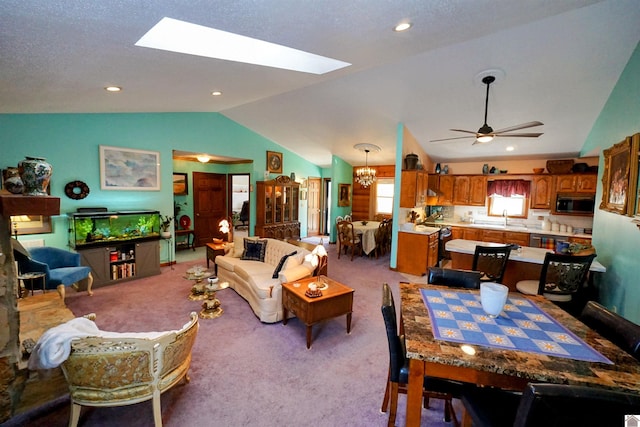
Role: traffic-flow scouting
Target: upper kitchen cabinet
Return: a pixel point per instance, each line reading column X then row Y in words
column 470, row 190
column 445, row 190
column 413, row 188
column 576, row 183
column 541, row 191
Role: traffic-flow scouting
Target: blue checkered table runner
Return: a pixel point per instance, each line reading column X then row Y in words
column 522, row 325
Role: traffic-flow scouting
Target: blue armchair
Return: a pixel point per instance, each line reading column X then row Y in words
column 61, row 268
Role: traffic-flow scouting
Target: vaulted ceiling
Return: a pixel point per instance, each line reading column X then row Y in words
column 560, row 61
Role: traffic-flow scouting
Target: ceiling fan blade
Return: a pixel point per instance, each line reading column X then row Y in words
column 518, row 127
column 465, row 131
column 449, row 139
column 520, row 135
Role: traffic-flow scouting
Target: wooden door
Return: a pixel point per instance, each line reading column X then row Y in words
column 209, row 205
column 541, row 192
column 461, row 190
column 586, row 183
column 445, row 197
column 313, row 208
column 477, row 190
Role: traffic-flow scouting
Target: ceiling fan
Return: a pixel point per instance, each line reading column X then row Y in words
column 486, row 132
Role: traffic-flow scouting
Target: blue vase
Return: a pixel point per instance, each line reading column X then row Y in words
column 438, row 168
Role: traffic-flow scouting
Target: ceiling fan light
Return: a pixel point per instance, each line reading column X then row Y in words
column 484, row 138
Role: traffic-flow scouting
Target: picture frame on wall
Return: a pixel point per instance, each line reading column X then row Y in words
column 180, row 184
column 344, row 192
column 30, row 224
column 634, row 182
column 615, row 179
column 129, row 169
column 274, row 162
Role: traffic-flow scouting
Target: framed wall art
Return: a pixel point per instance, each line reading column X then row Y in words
column 274, row 162
column 634, row 183
column 180, row 184
column 129, row 169
column 615, row 179
column 344, row 190
column 30, row 224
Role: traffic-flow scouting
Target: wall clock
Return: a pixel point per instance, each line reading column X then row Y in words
column 274, row 162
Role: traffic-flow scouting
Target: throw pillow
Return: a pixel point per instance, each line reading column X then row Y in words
column 254, row 250
column 238, row 245
column 293, row 261
column 281, row 264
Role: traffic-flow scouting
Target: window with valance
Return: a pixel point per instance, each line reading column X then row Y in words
column 509, row 188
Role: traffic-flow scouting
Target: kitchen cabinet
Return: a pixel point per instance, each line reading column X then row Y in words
column 469, row 190
column 413, row 189
column 576, row 183
column 493, row 236
column 445, row 190
column 518, row 238
column 416, row 252
column 466, row 233
column 541, row 191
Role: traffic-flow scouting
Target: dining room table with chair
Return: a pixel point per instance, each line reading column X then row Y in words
column 448, row 336
column 367, row 231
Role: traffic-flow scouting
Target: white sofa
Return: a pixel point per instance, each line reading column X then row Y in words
column 253, row 280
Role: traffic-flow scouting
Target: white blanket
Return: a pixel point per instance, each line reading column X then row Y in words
column 54, row 346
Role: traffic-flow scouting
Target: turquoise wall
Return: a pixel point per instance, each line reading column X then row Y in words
column 615, row 238
column 341, row 173
column 70, row 142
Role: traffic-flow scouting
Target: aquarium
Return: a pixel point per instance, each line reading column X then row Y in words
column 97, row 228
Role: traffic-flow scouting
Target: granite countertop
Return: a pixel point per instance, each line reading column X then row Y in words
column 513, row 228
column 419, row 229
column 623, row 375
column 526, row 254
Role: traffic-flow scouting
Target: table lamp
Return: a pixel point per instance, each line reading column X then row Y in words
column 321, row 257
column 225, row 228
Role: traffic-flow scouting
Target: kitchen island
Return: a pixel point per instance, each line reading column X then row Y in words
column 523, row 265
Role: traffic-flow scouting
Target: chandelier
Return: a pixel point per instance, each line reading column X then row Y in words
column 365, row 176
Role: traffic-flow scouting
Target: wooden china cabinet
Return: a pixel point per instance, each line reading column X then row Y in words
column 277, row 208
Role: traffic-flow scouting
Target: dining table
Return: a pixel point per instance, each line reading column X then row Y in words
column 607, row 366
column 367, row 231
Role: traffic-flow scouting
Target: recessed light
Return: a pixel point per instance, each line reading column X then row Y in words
column 510, row 148
column 216, row 93
column 403, row 26
column 113, row 88
column 184, row 37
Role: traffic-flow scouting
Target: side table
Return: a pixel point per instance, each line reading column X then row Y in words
column 30, row 278
column 336, row 300
column 213, row 250
column 189, row 243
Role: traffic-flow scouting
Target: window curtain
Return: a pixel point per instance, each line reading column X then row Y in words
column 509, row 188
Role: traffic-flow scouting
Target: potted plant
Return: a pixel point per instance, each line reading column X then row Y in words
column 165, row 224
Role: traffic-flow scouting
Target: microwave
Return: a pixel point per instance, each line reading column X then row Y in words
column 575, row 204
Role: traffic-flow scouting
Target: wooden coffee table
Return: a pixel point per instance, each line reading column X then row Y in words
column 335, row 301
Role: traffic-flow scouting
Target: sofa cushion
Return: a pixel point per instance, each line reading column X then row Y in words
column 254, row 250
column 293, row 261
column 281, row 264
column 295, row 273
column 237, row 247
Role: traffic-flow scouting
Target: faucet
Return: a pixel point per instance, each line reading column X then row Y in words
column 506, row 217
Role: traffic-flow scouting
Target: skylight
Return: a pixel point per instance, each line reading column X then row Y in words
column 183, row 37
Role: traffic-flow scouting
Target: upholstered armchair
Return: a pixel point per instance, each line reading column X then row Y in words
column 61, row 268
column 119, row 369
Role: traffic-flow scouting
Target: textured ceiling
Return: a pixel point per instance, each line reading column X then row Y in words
column 561, row 60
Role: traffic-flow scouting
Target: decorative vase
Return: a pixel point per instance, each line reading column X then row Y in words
column 12, row 181
column 165, row 234
column 445, row 170
column 438, row 168
column 485, row 169
column 411, row 161
column 35, row 173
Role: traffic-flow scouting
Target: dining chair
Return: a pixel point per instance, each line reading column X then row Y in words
column 454, row 278
column 348, row 239
column 399, row 369
column 381, row 237
column 562, row 277
column 543, row 404
column 620, row 331
column 348, row 218
column 491, row 261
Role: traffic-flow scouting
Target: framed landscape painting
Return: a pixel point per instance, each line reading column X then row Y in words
column 615, row 179
column 129, row 169
column 180, row 184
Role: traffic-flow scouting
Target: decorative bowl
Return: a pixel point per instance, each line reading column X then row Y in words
column 364, row 222
column 538, row 170
column 217, row 241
